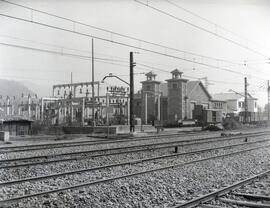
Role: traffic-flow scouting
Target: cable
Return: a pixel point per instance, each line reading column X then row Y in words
column 203, row 29
column 118, row 34
column 59, row 53
column 213, row 23
column 123, row 44
column 60, row 47
column 166, row 71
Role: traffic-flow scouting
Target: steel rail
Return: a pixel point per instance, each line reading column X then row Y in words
column 211, row 196
column 105, row 154
column 105, row 141
column 15, row 199
column 108, row 141
column 45, row 145
column 126, row 163
column 147, row 146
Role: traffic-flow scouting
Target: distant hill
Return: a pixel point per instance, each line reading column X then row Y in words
column 13, row 88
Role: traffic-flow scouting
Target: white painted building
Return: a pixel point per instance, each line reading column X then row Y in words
column 236, row 102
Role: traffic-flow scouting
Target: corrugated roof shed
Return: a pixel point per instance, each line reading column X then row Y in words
column 14, row 118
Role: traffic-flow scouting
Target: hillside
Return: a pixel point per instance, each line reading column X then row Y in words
column 13, row 88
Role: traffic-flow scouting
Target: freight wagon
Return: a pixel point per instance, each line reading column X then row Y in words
column 206, row 116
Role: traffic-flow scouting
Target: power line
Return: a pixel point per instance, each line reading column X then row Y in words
column 213, row 23
column 100, row 60
column 202, row 28
column 58, row 53
column 166, row 71
column 125, row 44
column 118, row 34
column 60, row 47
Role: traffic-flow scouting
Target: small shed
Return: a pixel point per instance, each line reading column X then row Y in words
column 16, row 125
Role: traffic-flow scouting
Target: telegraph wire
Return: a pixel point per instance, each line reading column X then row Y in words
column 166, row 71
column 59, row 53
column 99, row 60
column 60, row 47
column 119, row 34
column 202, row 28
column 213, row 23
column 125, row 44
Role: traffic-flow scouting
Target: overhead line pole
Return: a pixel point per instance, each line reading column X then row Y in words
column 131, row 120
column 268, row 103
column 93, row 87
column 246, row 102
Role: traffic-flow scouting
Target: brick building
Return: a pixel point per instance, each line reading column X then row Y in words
column 170, row 101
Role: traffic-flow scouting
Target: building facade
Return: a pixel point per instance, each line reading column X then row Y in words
column 171, row 101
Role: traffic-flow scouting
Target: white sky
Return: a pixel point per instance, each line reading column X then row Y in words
column 248, row 18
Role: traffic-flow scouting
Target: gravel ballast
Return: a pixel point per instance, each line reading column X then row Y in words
column 164, row 188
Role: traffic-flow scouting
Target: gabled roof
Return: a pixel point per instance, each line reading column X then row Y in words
column 191, row 85
column 230, row 96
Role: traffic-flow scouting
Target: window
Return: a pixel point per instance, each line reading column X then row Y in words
column 174, row 85
column 240, row 104
column 148, row 87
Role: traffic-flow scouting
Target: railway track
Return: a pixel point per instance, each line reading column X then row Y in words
column 22, row 148
column 132, row 162
column 47, row 159
column 127, row 175
column 251, row 192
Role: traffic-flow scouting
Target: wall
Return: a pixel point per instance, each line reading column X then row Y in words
column 152, row 86
column 220, row 105
column 176, row 108
column 199, row 97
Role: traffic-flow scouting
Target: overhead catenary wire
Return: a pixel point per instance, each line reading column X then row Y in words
column 140, row 66
column 58, row 52
column 188, row 76
column 212, row 23
column 202, row 28
column 120, row 34
column 125, row 44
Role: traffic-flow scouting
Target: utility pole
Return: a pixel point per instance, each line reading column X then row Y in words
column 93, row 89
column 268, row 103
column 132, row 64
column 70, row 97
column 246, row 102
